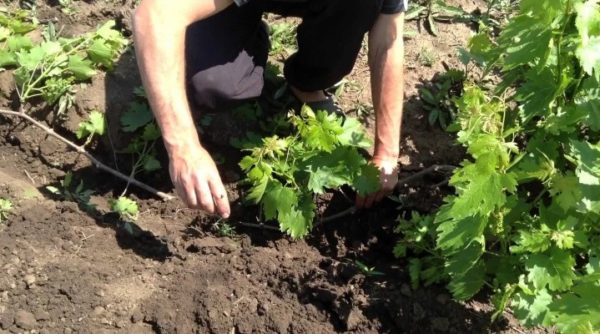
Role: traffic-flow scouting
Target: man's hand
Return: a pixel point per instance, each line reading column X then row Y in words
column 388, row 178
column 197, row 180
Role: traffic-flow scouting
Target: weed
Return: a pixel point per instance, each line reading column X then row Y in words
column 283, row 38
column 366, row 270
column 426, row 57
column 438, row 100
column 223, row 229
column 6, row 207
column 126, row 208
column 77, row 194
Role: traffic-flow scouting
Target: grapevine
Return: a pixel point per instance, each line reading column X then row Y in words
column 524, row 219
column 322, row 153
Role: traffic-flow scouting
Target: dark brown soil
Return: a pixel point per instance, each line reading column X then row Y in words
column 68, row 270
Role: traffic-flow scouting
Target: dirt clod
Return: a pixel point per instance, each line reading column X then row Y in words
column 440, row 324
column 25, row 320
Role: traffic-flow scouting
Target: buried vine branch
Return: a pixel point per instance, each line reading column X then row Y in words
column 81, row 150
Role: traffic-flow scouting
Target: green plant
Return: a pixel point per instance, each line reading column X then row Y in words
column 95, row 125
column 524, row 217
column 224, row 229
column 6, row 207
column 49, row 69
column 366, row 270
column 285, row 173
column 66, row 6
column 126, row 208
column 436, row 11
column 438, row 99
column 283, row 38
column 426, row 57
column 76, row 194
column 139, row 121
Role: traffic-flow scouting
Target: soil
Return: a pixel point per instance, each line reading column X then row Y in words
column 66, row 269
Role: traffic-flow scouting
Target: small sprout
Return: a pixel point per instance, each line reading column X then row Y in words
column 95, row 125
column 223, row 229
column 5, row 207
column 79, row 194
column 426, row 57
column 368, row 271
column 126, row 208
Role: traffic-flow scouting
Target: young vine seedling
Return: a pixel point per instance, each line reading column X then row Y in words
column 322, row 153
column 6, row 207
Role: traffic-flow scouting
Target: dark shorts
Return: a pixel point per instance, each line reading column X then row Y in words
column 226, row 53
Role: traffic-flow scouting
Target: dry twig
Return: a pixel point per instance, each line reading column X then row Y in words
column 81, row 150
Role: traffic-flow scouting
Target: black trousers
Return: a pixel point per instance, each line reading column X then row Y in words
column 226, row 54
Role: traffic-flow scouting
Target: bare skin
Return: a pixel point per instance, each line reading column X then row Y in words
column 386, row 61
column 159, row 35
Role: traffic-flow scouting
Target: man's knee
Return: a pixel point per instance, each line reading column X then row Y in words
column 238, row 80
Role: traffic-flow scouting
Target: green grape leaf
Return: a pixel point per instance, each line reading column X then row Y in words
column 414, row 271
column 462, row 261
column 323, row 178
column 536, row 93
column 81, row 68
column 298, row 222
column 531, row 241
column 7, row 59
column 466, row 285
column 532, row 310
column 587, row 103
column 19, row 42
column 101, row 53
column 278, row 201
column 150, row 163
column 353, row 134
column 151, row 132
column 578, row 311
column 137, row 116
column 31, row 59
column 525, row 40
column 322, row 132
column 553, row 269
column 257, row 191
column 455, row 234
column 588, row 25
column 367, row 182
column 95, row 125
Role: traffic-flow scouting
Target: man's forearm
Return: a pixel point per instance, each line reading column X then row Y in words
column 386, row 59
column 159, row 34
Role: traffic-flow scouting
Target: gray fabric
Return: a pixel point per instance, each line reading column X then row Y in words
column 237, row 80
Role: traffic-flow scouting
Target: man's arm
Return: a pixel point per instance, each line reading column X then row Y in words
column 386, row 61
column 159, row 37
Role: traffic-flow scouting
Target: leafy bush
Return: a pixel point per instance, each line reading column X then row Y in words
column 322, row 153
column 50, row 68
column 525, row 218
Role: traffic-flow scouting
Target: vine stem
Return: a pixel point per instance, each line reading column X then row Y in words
column 81, row 150
column 428, row 170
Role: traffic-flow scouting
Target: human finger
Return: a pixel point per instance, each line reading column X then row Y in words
column 204, row 195
column 187, row 193
column 220, row 198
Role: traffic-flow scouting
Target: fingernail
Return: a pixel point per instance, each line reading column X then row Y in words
column 226, row 215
